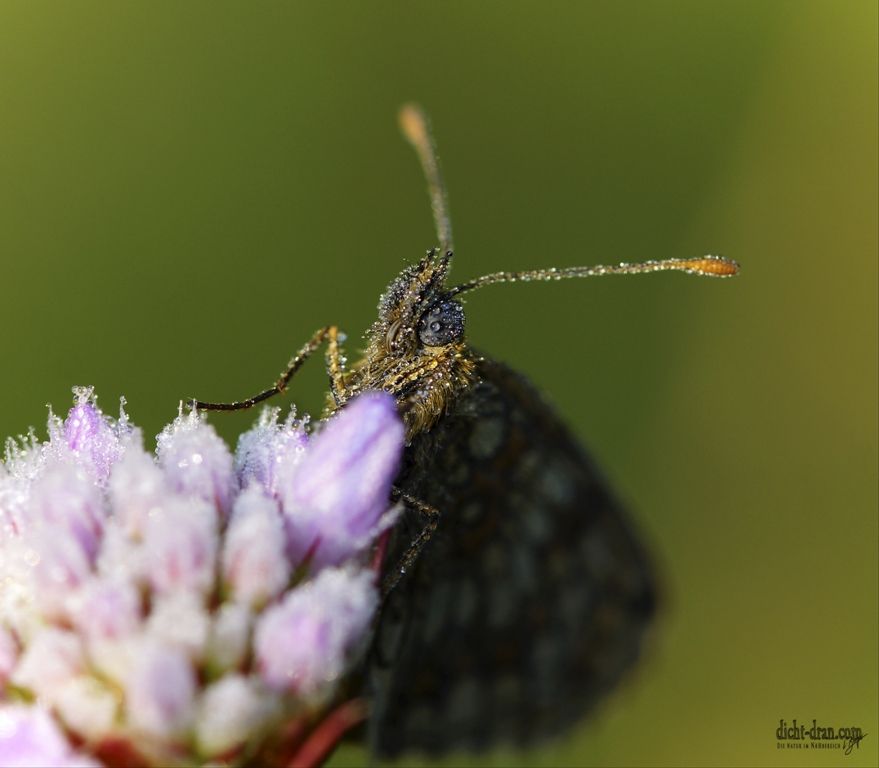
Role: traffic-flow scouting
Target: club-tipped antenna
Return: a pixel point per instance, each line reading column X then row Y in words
column 706, row 266
column 416, row 129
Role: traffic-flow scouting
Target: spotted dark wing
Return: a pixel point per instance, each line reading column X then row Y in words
column 530, row 600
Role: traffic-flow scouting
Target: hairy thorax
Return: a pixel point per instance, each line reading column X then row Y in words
column 425, row 381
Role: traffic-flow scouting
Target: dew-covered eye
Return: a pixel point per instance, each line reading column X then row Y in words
column 442, row 324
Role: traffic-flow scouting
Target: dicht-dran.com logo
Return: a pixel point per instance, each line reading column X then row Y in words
column 796, row 735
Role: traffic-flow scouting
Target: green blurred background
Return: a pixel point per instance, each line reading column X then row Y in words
column 189, row 190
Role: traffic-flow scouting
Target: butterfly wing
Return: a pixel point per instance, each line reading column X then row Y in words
column 529, row 601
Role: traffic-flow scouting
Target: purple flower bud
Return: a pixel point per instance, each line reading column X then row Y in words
column 29, row 737
column 61, row 567
column 334, row 498
column 108, row 615
column 305, row 642
column 197, row 461
column 106, row 610
column 160, row 691
column 66, row 503
column 266, row 447
column 181, row 545
column 230, row 712
column 255, row 564
column 137, row 488
column 90, row 436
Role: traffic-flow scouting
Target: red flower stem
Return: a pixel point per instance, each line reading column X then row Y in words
column 323, row 740
column 378, row 557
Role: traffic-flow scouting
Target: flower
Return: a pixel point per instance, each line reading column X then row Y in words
column 255, row 563
column 263, row 450
column 303, row 642
column 30, row 737
column 185, row 607
column 326, row 522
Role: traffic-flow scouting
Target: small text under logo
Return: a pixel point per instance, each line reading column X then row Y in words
column 796, row 735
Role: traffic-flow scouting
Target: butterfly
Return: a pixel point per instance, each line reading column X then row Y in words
column 516, row 592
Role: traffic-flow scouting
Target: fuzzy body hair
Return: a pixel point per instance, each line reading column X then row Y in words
column 424, row 379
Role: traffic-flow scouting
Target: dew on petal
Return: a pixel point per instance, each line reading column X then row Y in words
column 93, row 439
column 197, row 461
column 268, row 447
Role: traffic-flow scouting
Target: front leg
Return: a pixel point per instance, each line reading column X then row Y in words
column 430, row 516
column 329, row 332
column 336, row 366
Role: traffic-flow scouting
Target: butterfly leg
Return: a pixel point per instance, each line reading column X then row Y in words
column 335, row 369
column 430, row 516
column 335, row 365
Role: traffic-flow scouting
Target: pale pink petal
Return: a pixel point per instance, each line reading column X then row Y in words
column 160, row 691
column 267, row 446
column 255, row 564
column 52, row 657
column 231, row 711
column 197, row 462
column 29, row 738
column 305, row 642
column 180, row 546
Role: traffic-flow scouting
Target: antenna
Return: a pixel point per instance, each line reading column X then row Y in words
column 416, row 129
column 706, row 266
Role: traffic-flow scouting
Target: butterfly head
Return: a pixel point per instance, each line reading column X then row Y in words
column 416, row 348
column 416, row 313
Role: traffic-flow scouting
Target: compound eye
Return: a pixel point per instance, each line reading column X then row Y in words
column 442, row 324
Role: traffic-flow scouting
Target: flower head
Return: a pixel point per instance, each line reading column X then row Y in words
column 161, row 608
